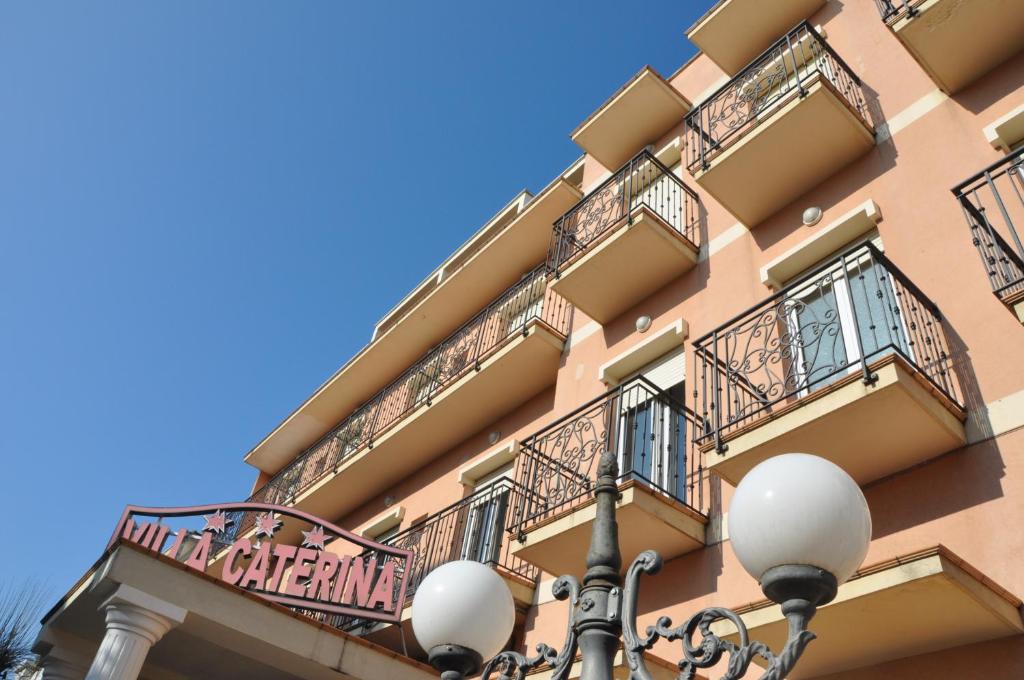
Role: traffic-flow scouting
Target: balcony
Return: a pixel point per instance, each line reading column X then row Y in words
column 512, row 242
column 659, row 480
column 911, row 605
column 506, row 354
column 850, row 363
column 791, row 118
column 993, row 204
column 956, row 41
column 640, row 113
column 626, row 239
column 735, row 31
column 473, row 528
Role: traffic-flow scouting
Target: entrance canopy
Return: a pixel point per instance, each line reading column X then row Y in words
column 138, row 613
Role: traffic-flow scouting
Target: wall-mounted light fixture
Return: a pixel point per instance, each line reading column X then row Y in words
column 811, row 216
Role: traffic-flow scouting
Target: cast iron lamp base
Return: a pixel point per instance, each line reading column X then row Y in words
column 791, row 582
column 455, row 662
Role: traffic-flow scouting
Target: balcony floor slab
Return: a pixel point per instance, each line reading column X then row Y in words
column 632, row 261
column 734, row 32
column 871, row 431
column 521, row 369
column 956, row 42
column 911, row 605
column 798, row 143
column 647, row 520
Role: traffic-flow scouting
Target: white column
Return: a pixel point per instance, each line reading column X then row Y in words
column 55, row 668
column 61, row 656
column 135, row 622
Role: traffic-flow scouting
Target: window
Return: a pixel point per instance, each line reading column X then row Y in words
column 846, row 310
column 484, row 525
column 653, row 431
column 387, row 534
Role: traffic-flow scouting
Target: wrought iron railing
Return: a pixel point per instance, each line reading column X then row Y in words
column 473, row 528
column 834, row 322
column 785, row 70
column 648, row 429
column 463, row 352
column 993, row 204
column 643, row 181
column 894, row 10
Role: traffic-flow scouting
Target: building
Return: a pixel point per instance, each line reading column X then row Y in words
column 758, row 253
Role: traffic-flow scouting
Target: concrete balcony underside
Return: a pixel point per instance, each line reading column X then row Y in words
column 914, row 604
column 643, row 110
column 734, row 32
column 631, row 261
column 796, row 144
column 522, row 368
column 1016, row 303
column 647, row 520
column 463, row 291
column 871, row 431
column 956, row 42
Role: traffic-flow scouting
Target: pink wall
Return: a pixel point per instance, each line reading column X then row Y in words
column 970, row 500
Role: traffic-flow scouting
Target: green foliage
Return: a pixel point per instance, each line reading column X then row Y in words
column 20, row 608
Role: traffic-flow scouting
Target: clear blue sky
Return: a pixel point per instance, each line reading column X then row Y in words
column 205, row 207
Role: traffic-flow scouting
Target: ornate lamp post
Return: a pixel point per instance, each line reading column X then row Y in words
column 797, row 523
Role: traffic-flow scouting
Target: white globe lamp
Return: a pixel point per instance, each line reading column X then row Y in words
column 800, row 526
column 462, row 613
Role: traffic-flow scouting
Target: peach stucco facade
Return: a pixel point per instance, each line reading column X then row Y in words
column 867, row 333
column 958, row 503
column 966, row 499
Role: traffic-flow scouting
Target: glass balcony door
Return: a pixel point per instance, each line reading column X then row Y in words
column 825, row 316
column 651, row 432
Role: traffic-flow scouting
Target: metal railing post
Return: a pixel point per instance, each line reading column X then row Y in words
column 796, row 66
column 1006, row 215
column 716, row 396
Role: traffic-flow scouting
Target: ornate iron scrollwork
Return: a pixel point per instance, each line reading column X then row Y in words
column 514, row 666
column 711, row 648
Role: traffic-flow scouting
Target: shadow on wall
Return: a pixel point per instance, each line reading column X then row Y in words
column 829, row 11
column 556, row 617
column 1001, row 81
column 994, row 659
column 669, row 296
column 832, row 190
column 951, row 483
column 693, row 575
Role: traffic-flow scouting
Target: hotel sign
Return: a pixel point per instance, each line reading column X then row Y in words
column 279, row 553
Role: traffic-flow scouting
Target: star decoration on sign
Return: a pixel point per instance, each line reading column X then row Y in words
column 314, row 538
column 267, row 524
column 217, row 522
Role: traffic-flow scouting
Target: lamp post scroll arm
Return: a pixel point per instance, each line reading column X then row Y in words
column 511, row 665
column 711, row 648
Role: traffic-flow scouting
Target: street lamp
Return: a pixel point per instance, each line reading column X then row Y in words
column 797, row 523
column 462, row 613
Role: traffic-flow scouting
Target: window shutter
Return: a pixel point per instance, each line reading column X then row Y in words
column 666, row 371
column 504, row 472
